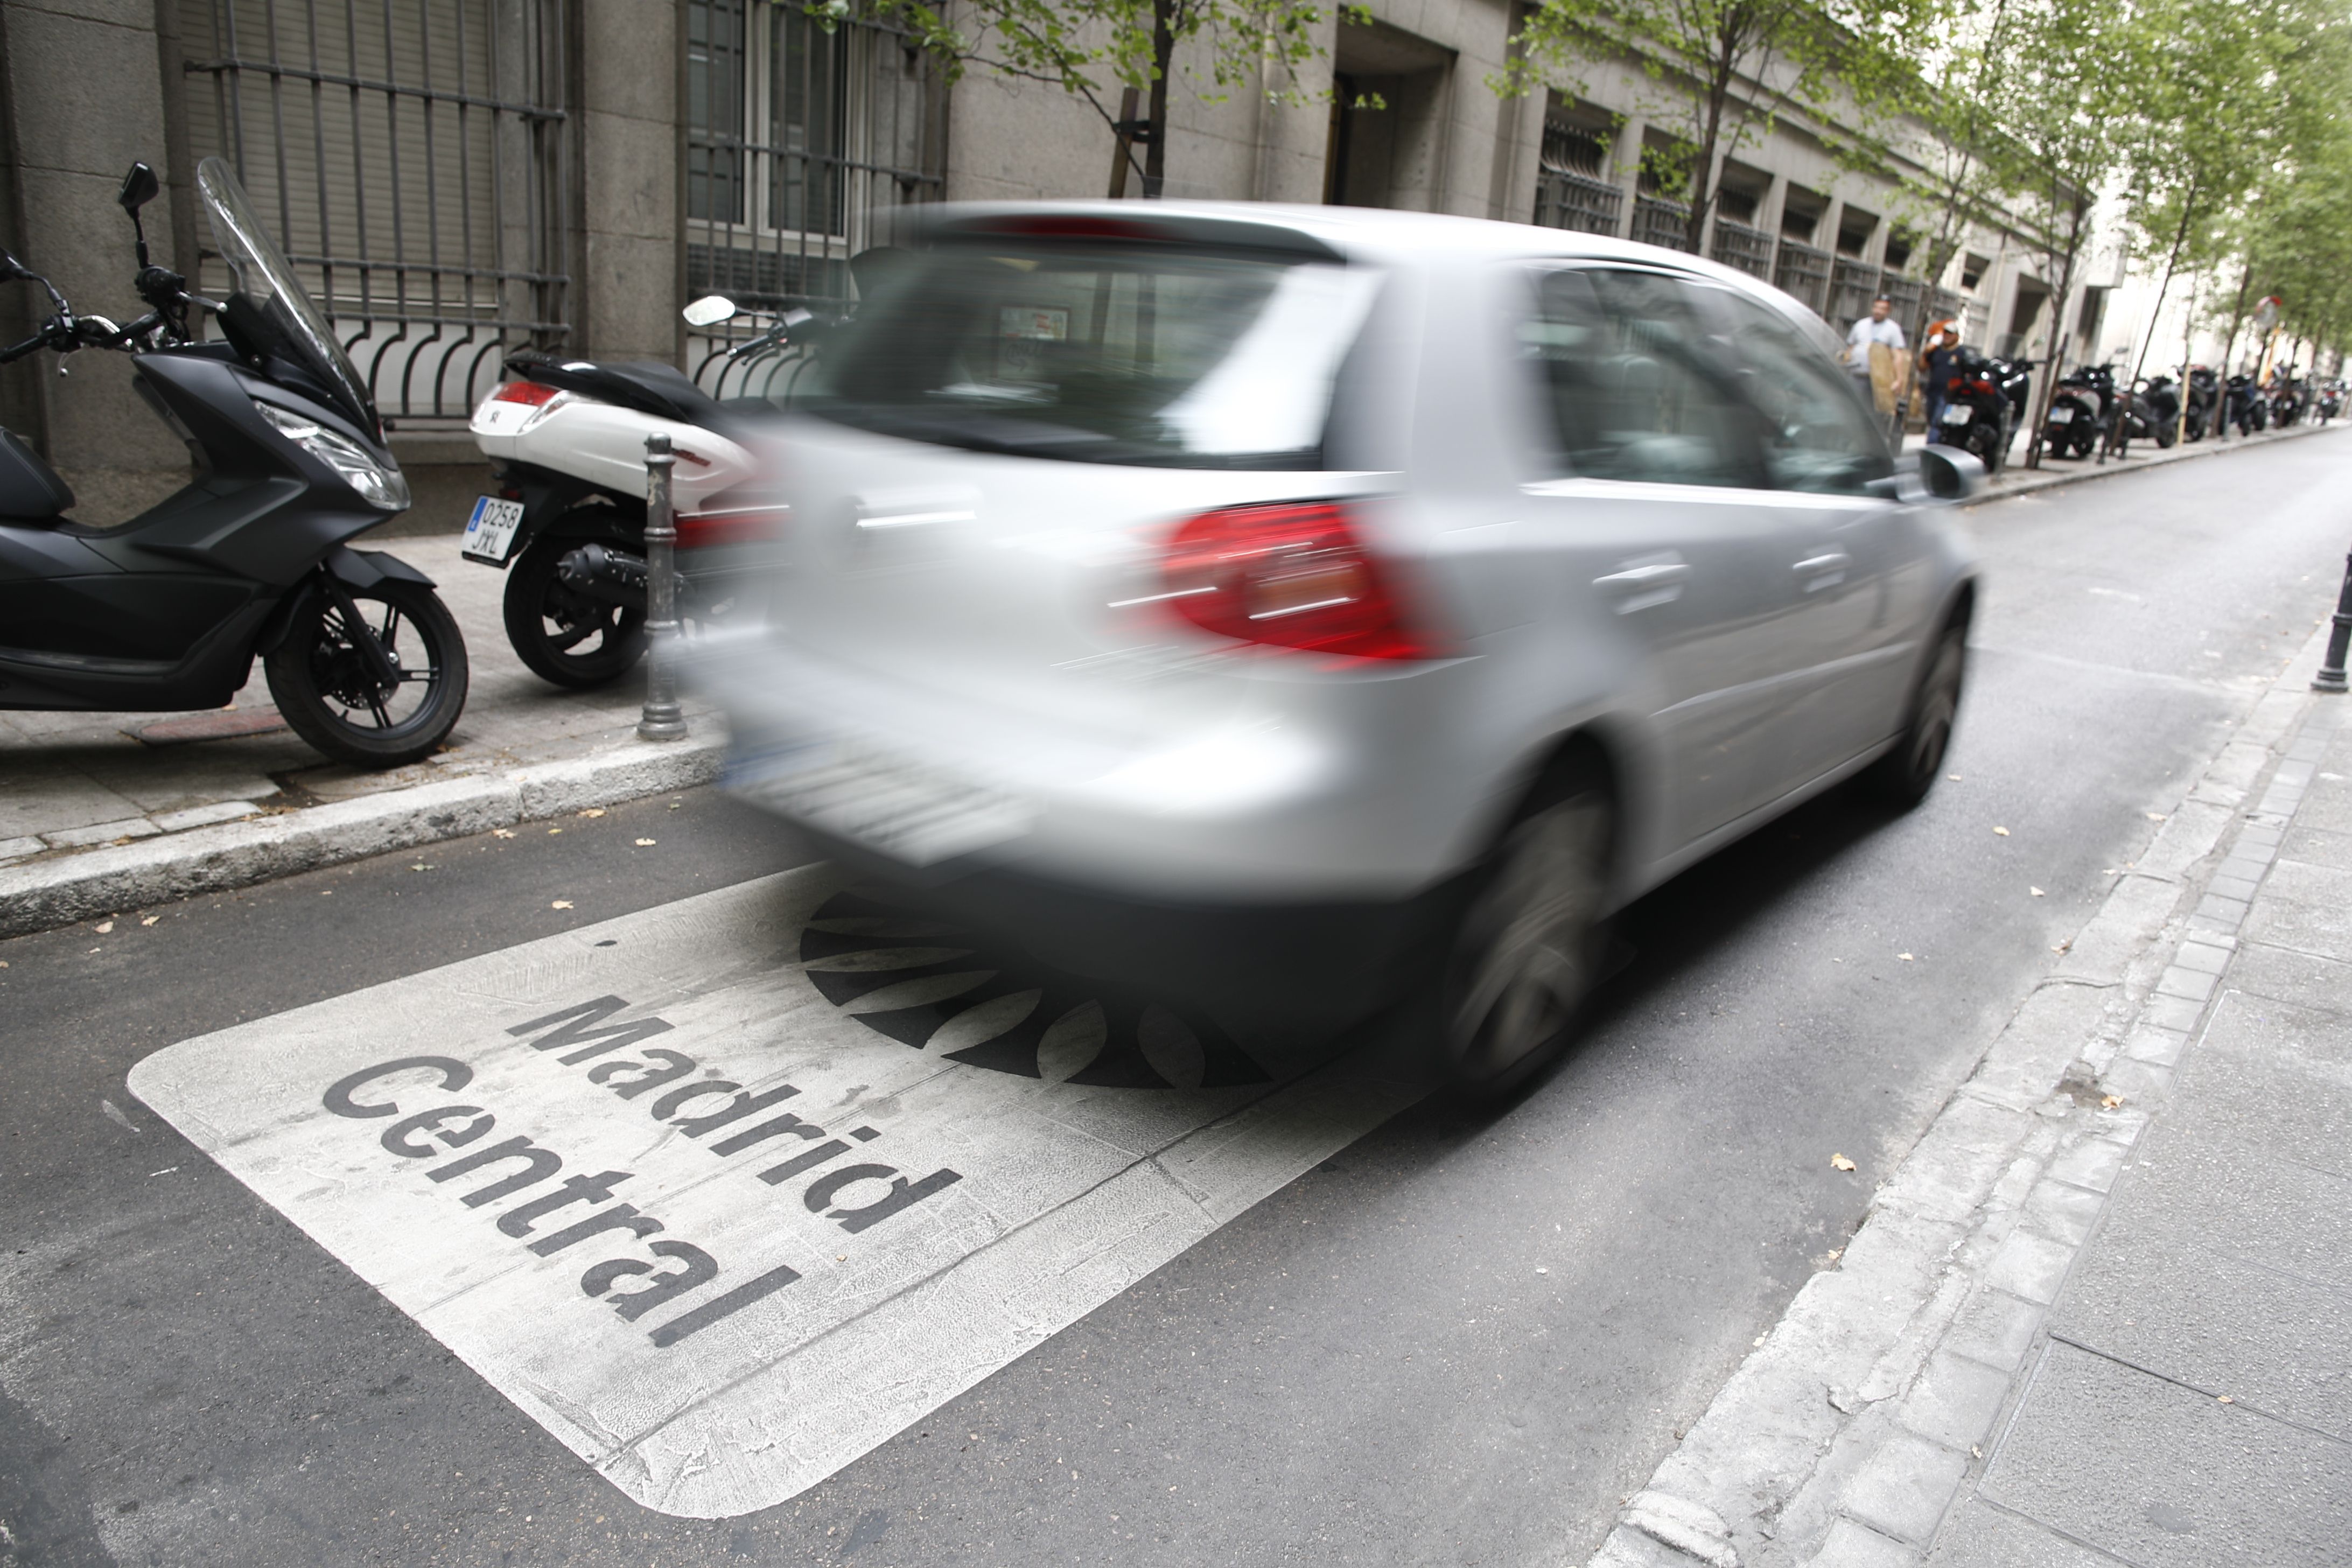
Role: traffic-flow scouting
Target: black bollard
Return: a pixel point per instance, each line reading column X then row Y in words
column 2331, row 668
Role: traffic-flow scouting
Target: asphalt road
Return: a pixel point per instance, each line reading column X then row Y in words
column 1366, row 1368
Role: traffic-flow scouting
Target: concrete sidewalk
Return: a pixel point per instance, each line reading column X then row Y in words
column 2189, row 1400
column 2102, row 1312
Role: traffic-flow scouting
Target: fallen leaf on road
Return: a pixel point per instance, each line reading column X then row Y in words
column 2003, row 832
column 2155, row 817
column 2063, row 946
column 420, row 868
column 561, row 904
column 102, row 927
column 1839, row 1163
column 2037, row 892
column 2109, row 1102
column 150, row 919
column 502, row 833
column 2223, row 1399
column 554, row 831
column 1954, row 778
column 645, row 843
column 594, row 811
column 1543, row 1270
column 1906, row 958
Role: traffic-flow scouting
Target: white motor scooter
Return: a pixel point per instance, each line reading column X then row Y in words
column 566, row 440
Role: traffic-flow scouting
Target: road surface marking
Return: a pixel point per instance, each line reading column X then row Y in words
column 714, row 1231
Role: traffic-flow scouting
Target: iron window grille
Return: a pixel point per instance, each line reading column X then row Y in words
column 1743, row 245
column 1802, row 272
column 1660, row 222
column 1572, row 201
column 804, row 147
column 410, row 156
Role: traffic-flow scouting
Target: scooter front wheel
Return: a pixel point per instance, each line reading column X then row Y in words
column 561, row 633
column 334, row 695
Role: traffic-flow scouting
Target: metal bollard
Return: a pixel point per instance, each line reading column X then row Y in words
column 2331, row 668
column 663, row 718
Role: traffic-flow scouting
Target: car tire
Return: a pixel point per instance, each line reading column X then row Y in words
column 1530, row 943
column 1904, row 775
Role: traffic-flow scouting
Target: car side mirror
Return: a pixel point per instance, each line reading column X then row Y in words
column 709, row 310
column 1949, row 473
column 138, row 187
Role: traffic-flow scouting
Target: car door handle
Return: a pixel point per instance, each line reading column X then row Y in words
column 1826, row 570
column 1639, row 587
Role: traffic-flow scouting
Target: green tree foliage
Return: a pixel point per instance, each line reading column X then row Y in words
column 1721, row 70
column 1090, row 48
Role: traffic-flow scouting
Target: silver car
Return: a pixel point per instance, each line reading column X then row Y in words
column 1279, row 606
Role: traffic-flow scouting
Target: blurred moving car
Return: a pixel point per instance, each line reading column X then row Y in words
column 1282, row 605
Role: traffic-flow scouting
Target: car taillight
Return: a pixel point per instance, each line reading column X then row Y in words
column 750, row 525
column 1291, row 574
column 532, row 394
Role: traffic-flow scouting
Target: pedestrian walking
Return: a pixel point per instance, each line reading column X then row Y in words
column 1938, row 355
column 1874, row 348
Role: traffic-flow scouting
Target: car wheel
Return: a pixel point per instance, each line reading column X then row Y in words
column 1904, row 776
column 1529, row 949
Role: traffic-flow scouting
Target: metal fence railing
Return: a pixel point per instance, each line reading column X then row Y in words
column 804, row 147
column 1853, row 286
column 1575, row 202
column 410, row 157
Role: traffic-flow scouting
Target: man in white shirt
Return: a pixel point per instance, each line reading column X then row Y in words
column 1880, row 386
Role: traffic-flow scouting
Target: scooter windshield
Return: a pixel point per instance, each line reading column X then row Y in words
column 266, row 278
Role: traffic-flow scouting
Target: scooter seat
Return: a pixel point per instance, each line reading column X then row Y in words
column 646, row 386
column 30, row 490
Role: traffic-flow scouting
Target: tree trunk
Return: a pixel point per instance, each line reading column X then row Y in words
column 2180, row 236
column 2062, row 337
column 1163, row 53
column 1702, row 177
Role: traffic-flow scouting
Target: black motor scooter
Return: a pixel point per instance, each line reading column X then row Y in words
column 2204, row 395
column 1976, row 411
column 167, row 611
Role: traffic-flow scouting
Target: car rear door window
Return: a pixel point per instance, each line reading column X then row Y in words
column 1817, row 435
column 1635, row 384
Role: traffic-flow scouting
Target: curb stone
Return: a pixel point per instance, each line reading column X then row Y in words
column 2050, row 479
column 1843, row 1440
column 43, row 894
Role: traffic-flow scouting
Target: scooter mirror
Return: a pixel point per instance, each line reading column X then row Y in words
column 11, row 269
column 709, row 310
column 138, row 187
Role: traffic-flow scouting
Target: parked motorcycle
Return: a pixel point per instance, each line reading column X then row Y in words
column 566, row 440
column 2156, row 409
column 2079, row 409
column 2288, row 398
column 2203, row 398
column 1977, row 414
column 2247, row 408
column 2331, row 401
column 167, row 611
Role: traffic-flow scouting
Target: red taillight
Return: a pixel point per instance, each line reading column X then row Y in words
column 1291, row 574
column 532, row 394
column 750, row 526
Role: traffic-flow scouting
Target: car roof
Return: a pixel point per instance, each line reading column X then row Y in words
column 1383, row 234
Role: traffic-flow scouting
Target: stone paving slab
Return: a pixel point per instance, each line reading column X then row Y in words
column 2164, row 1476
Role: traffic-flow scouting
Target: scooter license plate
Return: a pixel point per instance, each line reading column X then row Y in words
column 490, row 532
column 2062, row 416
column 1957, row 414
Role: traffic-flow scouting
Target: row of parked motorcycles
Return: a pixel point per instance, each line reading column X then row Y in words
column 2092, row 406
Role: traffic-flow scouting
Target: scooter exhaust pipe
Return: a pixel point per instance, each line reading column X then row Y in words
column 608, row 575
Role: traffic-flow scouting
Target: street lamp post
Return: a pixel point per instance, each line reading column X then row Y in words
column 2331, row 668
column 663, row 720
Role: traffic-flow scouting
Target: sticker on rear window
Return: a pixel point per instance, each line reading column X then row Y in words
column 1031, row 322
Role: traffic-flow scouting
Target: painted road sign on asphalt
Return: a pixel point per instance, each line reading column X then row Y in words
column 726, row 1193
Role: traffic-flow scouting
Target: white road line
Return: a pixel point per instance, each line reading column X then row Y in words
column 708, row 1228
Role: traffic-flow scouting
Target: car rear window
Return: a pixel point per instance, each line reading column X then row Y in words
column 1101, row 352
